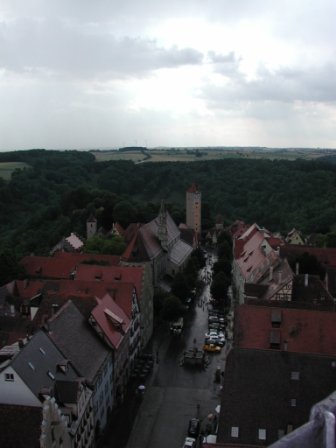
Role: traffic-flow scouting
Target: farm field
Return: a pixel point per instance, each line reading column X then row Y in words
column 201, row 154
column 7, row 168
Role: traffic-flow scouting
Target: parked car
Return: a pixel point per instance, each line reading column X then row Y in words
column 221, row 338
column 189, row 442
column 212, row 340
column 193, row 427
column 211, row 333
column 212, row 348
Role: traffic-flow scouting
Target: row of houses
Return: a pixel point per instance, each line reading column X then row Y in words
column 280, row 376
column 72, row 329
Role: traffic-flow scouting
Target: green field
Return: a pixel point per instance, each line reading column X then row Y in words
column 7, row 168
column 192, row 155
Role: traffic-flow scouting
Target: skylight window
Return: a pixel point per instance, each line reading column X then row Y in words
column 235, row 431
column 293, row 402
column 50, row 375
column 262, row 434
column 295, row 376
column 42, row 351
column 31, row 365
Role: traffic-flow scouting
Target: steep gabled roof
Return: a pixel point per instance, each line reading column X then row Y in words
column 71, row 333
column 271, row 390
column 304, row 331
column 111, row 319
column 37, row 363
column 326, row 256
column 113, row 274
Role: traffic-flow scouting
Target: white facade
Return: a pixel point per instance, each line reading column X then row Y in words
column 103, row 394
column 14, row 391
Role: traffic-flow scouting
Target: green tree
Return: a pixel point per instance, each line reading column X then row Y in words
column 10, row 269
column 180, row 286
column 219, row 288
column 113, row 245
column 172, row 308
column 223, row 265
column 125, row 213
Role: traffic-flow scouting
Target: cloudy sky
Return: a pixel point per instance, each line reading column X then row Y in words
column 110, row 73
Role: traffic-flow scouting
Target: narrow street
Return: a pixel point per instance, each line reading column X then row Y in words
column 174, row 394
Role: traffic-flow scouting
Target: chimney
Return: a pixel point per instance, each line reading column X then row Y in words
column 306, row 280
column 285, row 346
column 326, row 281
column 297, row 268
column 279, row 277
column 54, row 308
column 271, row 273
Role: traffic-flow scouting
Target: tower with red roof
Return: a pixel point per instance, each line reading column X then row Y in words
column 193, row 208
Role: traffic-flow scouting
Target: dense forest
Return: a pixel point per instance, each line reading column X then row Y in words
column 55, row 196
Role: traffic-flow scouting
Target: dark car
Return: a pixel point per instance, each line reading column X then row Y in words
column 194, row 427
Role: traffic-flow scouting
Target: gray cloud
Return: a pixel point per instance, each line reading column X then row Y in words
column 51, row 45
column 286, row 85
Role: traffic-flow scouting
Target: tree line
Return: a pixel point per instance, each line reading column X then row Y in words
column 55, row 196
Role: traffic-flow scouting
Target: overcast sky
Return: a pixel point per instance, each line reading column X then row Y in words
column 109, row 73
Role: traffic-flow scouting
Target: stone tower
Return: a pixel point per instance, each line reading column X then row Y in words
column 91, row 226
column 162, row 228
column 193, row 209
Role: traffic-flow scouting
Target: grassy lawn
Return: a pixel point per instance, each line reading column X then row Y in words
column 6, row 168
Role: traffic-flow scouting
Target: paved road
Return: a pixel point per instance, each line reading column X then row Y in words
column 174, row 393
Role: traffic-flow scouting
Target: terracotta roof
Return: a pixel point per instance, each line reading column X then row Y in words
column 326, row 256
column 112, row 320
column 309, row 288
column 20, row 426
column 192, row 189
column 62, row 264
column 112, row 274
column 305, row 331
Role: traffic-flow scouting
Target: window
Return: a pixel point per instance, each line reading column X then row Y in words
column 50, row 375
column 31, row 365
column 234, row 431
column 295, row 376
column 262, row 434
column 9, row 377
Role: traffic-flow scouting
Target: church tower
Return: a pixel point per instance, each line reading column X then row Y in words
column 162, row 228
column 193, row 209
column 91, row 226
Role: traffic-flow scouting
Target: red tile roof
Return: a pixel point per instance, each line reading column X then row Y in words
column 119, row 274
column 326, row 256
column 192, row 189
column 62, row 264
column 305, row 331
column 110, row 316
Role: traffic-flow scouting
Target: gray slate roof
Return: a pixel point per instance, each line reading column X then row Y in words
column 78, row 342
column 37, row 364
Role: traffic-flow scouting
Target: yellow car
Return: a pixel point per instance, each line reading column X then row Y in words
column 211, row 348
